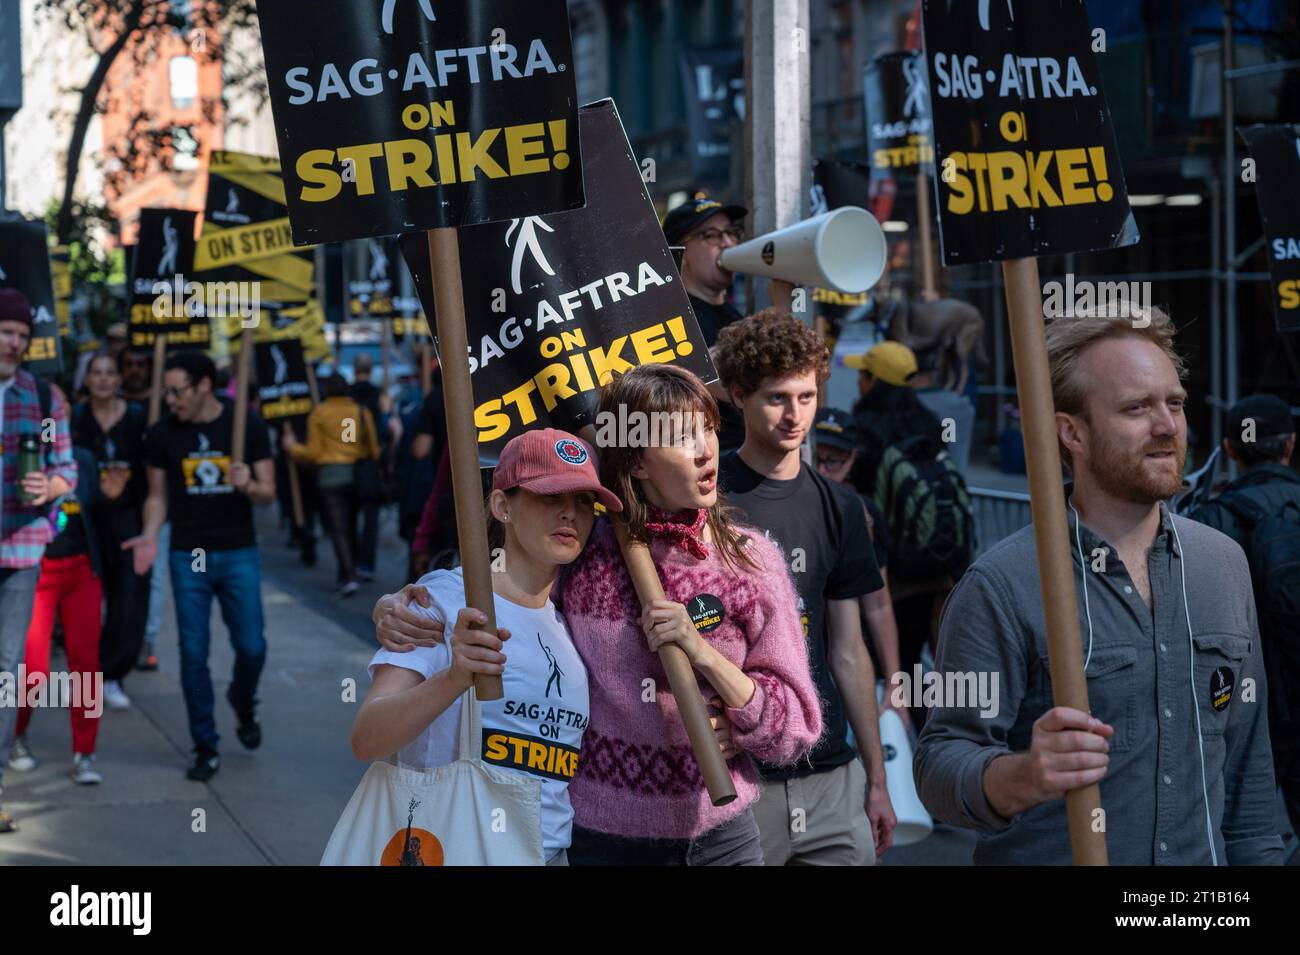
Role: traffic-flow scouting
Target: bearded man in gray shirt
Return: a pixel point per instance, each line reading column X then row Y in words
column 1178, row 735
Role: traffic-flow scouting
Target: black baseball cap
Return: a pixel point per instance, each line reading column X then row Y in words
column 1272, row 417
column 681, row 221
column 836, row 429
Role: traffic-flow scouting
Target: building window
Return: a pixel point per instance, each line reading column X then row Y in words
column 184, row 75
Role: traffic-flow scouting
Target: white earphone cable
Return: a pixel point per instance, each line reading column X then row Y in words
column 1191, row 667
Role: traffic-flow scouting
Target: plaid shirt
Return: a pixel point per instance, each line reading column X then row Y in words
column 24, row 530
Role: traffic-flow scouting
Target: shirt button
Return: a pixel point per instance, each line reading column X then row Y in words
column 1168, row 712
column 1128, row 589
column 1168, row 781
column 1164, row 847
column 1163, row 648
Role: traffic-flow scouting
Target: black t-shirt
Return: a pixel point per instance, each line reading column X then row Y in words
column 122, row 444
column 713, row 318
column 204, row 509
column 823, row 530
column 367, row 394
column 71, row 539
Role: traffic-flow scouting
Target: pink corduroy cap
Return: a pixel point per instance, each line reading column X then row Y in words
column 550, row 461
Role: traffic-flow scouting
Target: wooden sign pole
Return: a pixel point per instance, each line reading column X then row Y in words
column 466, row 480
column 312, row 385
column 295, row 486
column 155, row 390
column 1051, row 532
column 243, row 365
column 923, row 226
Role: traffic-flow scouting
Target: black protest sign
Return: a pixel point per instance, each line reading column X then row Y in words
column 713, row 83
column 371, row 267
column 390, row 120
column 1024, row 147
column 246, row 217
column 556, row 304
column 282, row 384
column 898, row 114
column 1276, row 151
column 25, row 266
column 379, row 288
column 163, row 301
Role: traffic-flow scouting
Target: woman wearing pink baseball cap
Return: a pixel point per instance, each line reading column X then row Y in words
column 541, row 511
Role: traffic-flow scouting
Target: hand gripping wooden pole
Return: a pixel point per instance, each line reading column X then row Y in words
column 458, row 395
column 1051, row 533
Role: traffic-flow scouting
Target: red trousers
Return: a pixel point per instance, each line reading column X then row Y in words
column 68, row 586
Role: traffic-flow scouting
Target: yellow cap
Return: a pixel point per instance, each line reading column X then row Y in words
column 891, row 362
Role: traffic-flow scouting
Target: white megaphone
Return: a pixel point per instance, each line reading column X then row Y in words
column 914, row 823
column 843, row 250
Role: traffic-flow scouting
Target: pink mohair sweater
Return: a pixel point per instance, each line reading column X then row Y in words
column 636, row 774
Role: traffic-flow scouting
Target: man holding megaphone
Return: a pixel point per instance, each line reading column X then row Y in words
column 706, row 228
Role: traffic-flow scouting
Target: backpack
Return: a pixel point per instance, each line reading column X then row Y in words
column 927, row 509
column 1274, row 557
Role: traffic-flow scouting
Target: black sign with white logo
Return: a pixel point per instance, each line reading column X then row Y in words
column 706, row 612
column 282, row 384
column 398, row 115
column 898, row 114
column 556, row 304
column 165, row 300
column 1221, row 684
column 25, row 265
column 1024, row 147
column 1276, row 151
column 713, row 82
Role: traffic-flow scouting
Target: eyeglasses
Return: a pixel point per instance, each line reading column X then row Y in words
column 714, row 236
column 176, row 392
column 832, row 461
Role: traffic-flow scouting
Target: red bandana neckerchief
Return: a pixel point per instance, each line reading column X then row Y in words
column 683, row 528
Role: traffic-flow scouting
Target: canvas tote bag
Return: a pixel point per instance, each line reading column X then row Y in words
column 465, row 813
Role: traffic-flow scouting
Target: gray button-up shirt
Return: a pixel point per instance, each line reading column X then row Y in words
column 1147, row 677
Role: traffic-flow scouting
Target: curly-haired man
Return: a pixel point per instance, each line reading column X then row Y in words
column 829, row 810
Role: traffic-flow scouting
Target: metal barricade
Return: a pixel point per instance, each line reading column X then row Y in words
column 997, row 514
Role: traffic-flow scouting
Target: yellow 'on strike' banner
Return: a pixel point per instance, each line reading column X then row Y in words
column 219, row 247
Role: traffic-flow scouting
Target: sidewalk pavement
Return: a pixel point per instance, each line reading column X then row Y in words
column 274, row 806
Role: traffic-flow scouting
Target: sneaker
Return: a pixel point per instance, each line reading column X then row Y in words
column 83, row 770
column 206, row 764
column 114, row 698
column 149, row 661
column 249, row 731
column 347, row 589
column 21, row 758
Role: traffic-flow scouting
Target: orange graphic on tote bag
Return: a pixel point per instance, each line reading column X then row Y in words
column 411, row 846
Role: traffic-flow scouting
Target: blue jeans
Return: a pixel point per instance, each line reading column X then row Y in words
column 17, row 591
column 732, row 843
column 234, row 577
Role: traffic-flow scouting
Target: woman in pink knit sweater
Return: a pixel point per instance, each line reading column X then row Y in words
column 638, row 797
